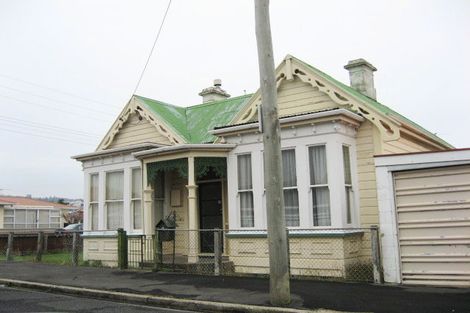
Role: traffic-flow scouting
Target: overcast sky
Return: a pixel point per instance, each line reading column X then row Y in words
column 68, row 67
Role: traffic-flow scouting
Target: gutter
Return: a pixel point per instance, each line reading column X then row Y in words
column 290, row 119
column 185, row 147
column 107, row 152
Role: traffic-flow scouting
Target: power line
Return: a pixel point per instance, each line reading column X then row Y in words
column 45, row 126
column 54, row 100
column 50, row 108
column 55, row 90
column 47, row 137
column 153, row 47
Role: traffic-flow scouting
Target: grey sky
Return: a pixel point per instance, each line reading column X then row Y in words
column 96, row 50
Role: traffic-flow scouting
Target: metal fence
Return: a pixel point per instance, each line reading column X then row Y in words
column 335, row 254
column 46, row 246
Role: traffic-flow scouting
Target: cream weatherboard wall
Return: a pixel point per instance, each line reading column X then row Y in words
column 137, row 130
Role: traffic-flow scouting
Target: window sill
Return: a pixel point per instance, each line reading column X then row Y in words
column 100, row 234
column 297, row 233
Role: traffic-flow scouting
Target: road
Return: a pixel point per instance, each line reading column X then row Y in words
column 20, row 300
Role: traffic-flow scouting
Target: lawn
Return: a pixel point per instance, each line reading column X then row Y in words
column 61, row 258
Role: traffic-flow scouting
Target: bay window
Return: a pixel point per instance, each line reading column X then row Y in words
column 319, row 186
column 245, row 190
column 114, row 200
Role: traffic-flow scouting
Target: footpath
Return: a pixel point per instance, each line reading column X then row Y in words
column 230, row 294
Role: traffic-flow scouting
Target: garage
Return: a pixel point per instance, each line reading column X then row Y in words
column 424, row 212
column 433, row 220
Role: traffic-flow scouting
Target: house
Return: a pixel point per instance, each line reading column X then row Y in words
column 27, row 213
column 204, row 163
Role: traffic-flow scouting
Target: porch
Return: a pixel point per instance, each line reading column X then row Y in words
column 187, row 183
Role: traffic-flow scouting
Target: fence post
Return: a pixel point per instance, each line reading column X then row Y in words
column 157, row 248
column 9, row 255
column 46, row 239
column 39, row 246
column 217, row 252
column 142, row 251
column 122, row 248
column 376, row 259
column 75, row 249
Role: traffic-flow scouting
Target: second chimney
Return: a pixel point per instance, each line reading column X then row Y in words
column 214, row 93
column 361, row 76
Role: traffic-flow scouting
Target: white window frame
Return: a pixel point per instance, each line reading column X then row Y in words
column 327, row 185
column 240, row 191
column 96, row 202
column 106, row 202
column 348, row 187
column 133, row 200
column 292, row 187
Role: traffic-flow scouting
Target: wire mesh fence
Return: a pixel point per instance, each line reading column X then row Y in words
column 337, row 254
column 48, row 246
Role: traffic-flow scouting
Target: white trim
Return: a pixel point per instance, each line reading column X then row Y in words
column 184, row 147
column 290, row 119
column 108, row 152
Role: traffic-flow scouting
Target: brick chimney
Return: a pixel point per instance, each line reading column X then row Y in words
column 214, row 93
column 361, row 76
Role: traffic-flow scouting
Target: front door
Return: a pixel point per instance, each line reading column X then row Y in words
column 210, row 213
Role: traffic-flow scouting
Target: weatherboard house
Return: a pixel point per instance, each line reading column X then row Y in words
column 204, row 162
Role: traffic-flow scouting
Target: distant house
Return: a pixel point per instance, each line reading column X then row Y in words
column 205, row 162
column 28, row 213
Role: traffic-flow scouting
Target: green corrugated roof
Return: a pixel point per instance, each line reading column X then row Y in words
column 194, row 123
column 373, row 103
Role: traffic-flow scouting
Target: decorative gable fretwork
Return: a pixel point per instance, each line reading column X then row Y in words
column 133, row 107
column 291, row 69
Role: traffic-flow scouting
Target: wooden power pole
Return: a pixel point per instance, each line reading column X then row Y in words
column 279, row 286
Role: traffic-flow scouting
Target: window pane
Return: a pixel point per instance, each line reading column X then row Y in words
column 31, row 218
column 317, row 161
column 246, row 209
column 94, row 216
column 136, row 183
column 347, row 165
column 114, row 186
column 244, row 172
column 114, row 215
column 321, row 206
column 8, row 212
column 20, row 216
column 291, row 204
column 8, row 226
column 94, row 187
column 349, row 201
column 137, row 211
column 55, row 213
column 288, row 168
column 43, row 217
column 8, row 220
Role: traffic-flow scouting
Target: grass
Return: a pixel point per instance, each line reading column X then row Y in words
column 60, row 258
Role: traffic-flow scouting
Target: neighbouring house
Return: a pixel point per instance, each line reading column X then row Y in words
column 204, row 162
column 27, row 213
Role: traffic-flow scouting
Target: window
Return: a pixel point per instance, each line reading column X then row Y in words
column 93, row 208
column 319, row 186
column 9, row 218
column 347, row 183
column 114, row 200
column 291, row 196
column 245, row 190
column 31, row 218
column 136, row 198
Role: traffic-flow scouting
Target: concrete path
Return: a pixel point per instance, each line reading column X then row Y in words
column 310, row 295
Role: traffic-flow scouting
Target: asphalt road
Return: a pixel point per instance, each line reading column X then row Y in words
column 20, row 300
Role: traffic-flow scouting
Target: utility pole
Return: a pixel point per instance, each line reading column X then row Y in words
column 279, row 285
